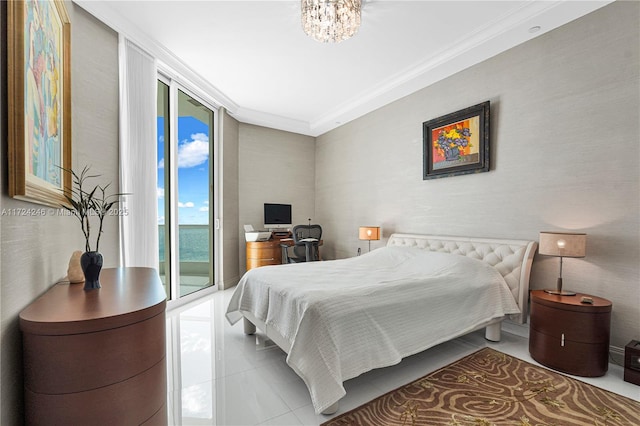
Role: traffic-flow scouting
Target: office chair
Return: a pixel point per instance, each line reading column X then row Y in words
column 305, row 244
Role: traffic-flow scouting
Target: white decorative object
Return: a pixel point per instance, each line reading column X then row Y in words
column 74, row 273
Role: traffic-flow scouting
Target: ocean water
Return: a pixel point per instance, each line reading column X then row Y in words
column 193, row 242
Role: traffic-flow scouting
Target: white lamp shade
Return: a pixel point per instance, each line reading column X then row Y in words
column 563, row 244
column 370, row 233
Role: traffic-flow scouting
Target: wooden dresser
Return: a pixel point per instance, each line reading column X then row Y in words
column 97, row 357
column 568, row 335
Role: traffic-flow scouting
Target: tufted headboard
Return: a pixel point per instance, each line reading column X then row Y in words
column 512, row 258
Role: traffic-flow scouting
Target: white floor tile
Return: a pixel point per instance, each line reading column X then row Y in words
column 288, row 419
column 247, row 399
column 219, row 376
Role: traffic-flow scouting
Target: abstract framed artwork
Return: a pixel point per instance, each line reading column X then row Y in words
column 39, row 93
column 457, row 143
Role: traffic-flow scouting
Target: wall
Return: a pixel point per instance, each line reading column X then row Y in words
column 35, row 251
column 228, row 164
column 274, row 167
column 565, row 152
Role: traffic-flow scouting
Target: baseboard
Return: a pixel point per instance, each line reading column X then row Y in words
column 616, row 355
column 230, row 282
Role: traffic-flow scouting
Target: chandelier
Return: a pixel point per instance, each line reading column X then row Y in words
column 331, row 20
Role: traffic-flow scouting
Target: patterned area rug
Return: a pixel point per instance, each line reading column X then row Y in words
column 491, row 388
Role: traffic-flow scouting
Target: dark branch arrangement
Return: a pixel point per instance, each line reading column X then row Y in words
column 86, row 203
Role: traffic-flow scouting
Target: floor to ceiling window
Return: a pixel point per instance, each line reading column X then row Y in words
column 185, row 191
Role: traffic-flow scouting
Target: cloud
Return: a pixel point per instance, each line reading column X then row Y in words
column 160, row 192
column 204, row 209
column 192, row 153
column 160, row 220
column 187, row 205
column 195, row 152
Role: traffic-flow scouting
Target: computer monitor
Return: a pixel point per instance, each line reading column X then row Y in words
column 277, row 216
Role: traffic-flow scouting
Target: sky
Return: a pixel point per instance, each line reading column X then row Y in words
column 193, row 171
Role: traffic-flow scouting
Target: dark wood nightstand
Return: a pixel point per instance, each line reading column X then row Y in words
column 568, row 335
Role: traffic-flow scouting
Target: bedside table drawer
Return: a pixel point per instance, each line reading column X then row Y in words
column 265, row 253
column 580, row 359
column 576, row 326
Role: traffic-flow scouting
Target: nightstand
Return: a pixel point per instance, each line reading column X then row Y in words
column 568, row 335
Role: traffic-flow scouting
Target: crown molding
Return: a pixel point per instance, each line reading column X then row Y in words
column 502, row 33
column 497, row 36
column 264, row 119
column 169, row 64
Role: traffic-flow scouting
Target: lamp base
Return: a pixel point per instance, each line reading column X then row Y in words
column 560, row 292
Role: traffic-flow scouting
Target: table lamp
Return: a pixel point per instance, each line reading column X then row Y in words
column 369, row 233
column 562, row 244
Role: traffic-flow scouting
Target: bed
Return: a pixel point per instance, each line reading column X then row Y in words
column 338, row 319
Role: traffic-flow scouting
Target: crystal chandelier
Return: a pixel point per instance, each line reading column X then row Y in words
column 331, row 20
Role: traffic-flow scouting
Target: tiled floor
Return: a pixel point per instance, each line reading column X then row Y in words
column 219, row 376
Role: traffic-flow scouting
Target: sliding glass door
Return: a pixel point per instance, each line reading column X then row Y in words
column 186, row 199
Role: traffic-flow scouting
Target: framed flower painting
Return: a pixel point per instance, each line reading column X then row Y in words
column 457, row 143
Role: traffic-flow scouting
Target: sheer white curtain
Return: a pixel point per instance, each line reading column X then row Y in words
column 138, row 156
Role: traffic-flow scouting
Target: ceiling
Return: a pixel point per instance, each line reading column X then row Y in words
column 253, row 58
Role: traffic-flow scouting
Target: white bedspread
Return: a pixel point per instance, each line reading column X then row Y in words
column 345, row 317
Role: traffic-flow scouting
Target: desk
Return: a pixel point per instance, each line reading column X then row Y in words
column 262, row 253
column 97, row 357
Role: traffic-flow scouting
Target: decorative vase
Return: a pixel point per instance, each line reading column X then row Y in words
column 452, row 154
column 91, row 262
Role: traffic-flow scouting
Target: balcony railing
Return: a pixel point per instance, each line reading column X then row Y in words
column 193, row 246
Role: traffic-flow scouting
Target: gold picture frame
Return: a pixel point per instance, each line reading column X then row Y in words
column 39, row 101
